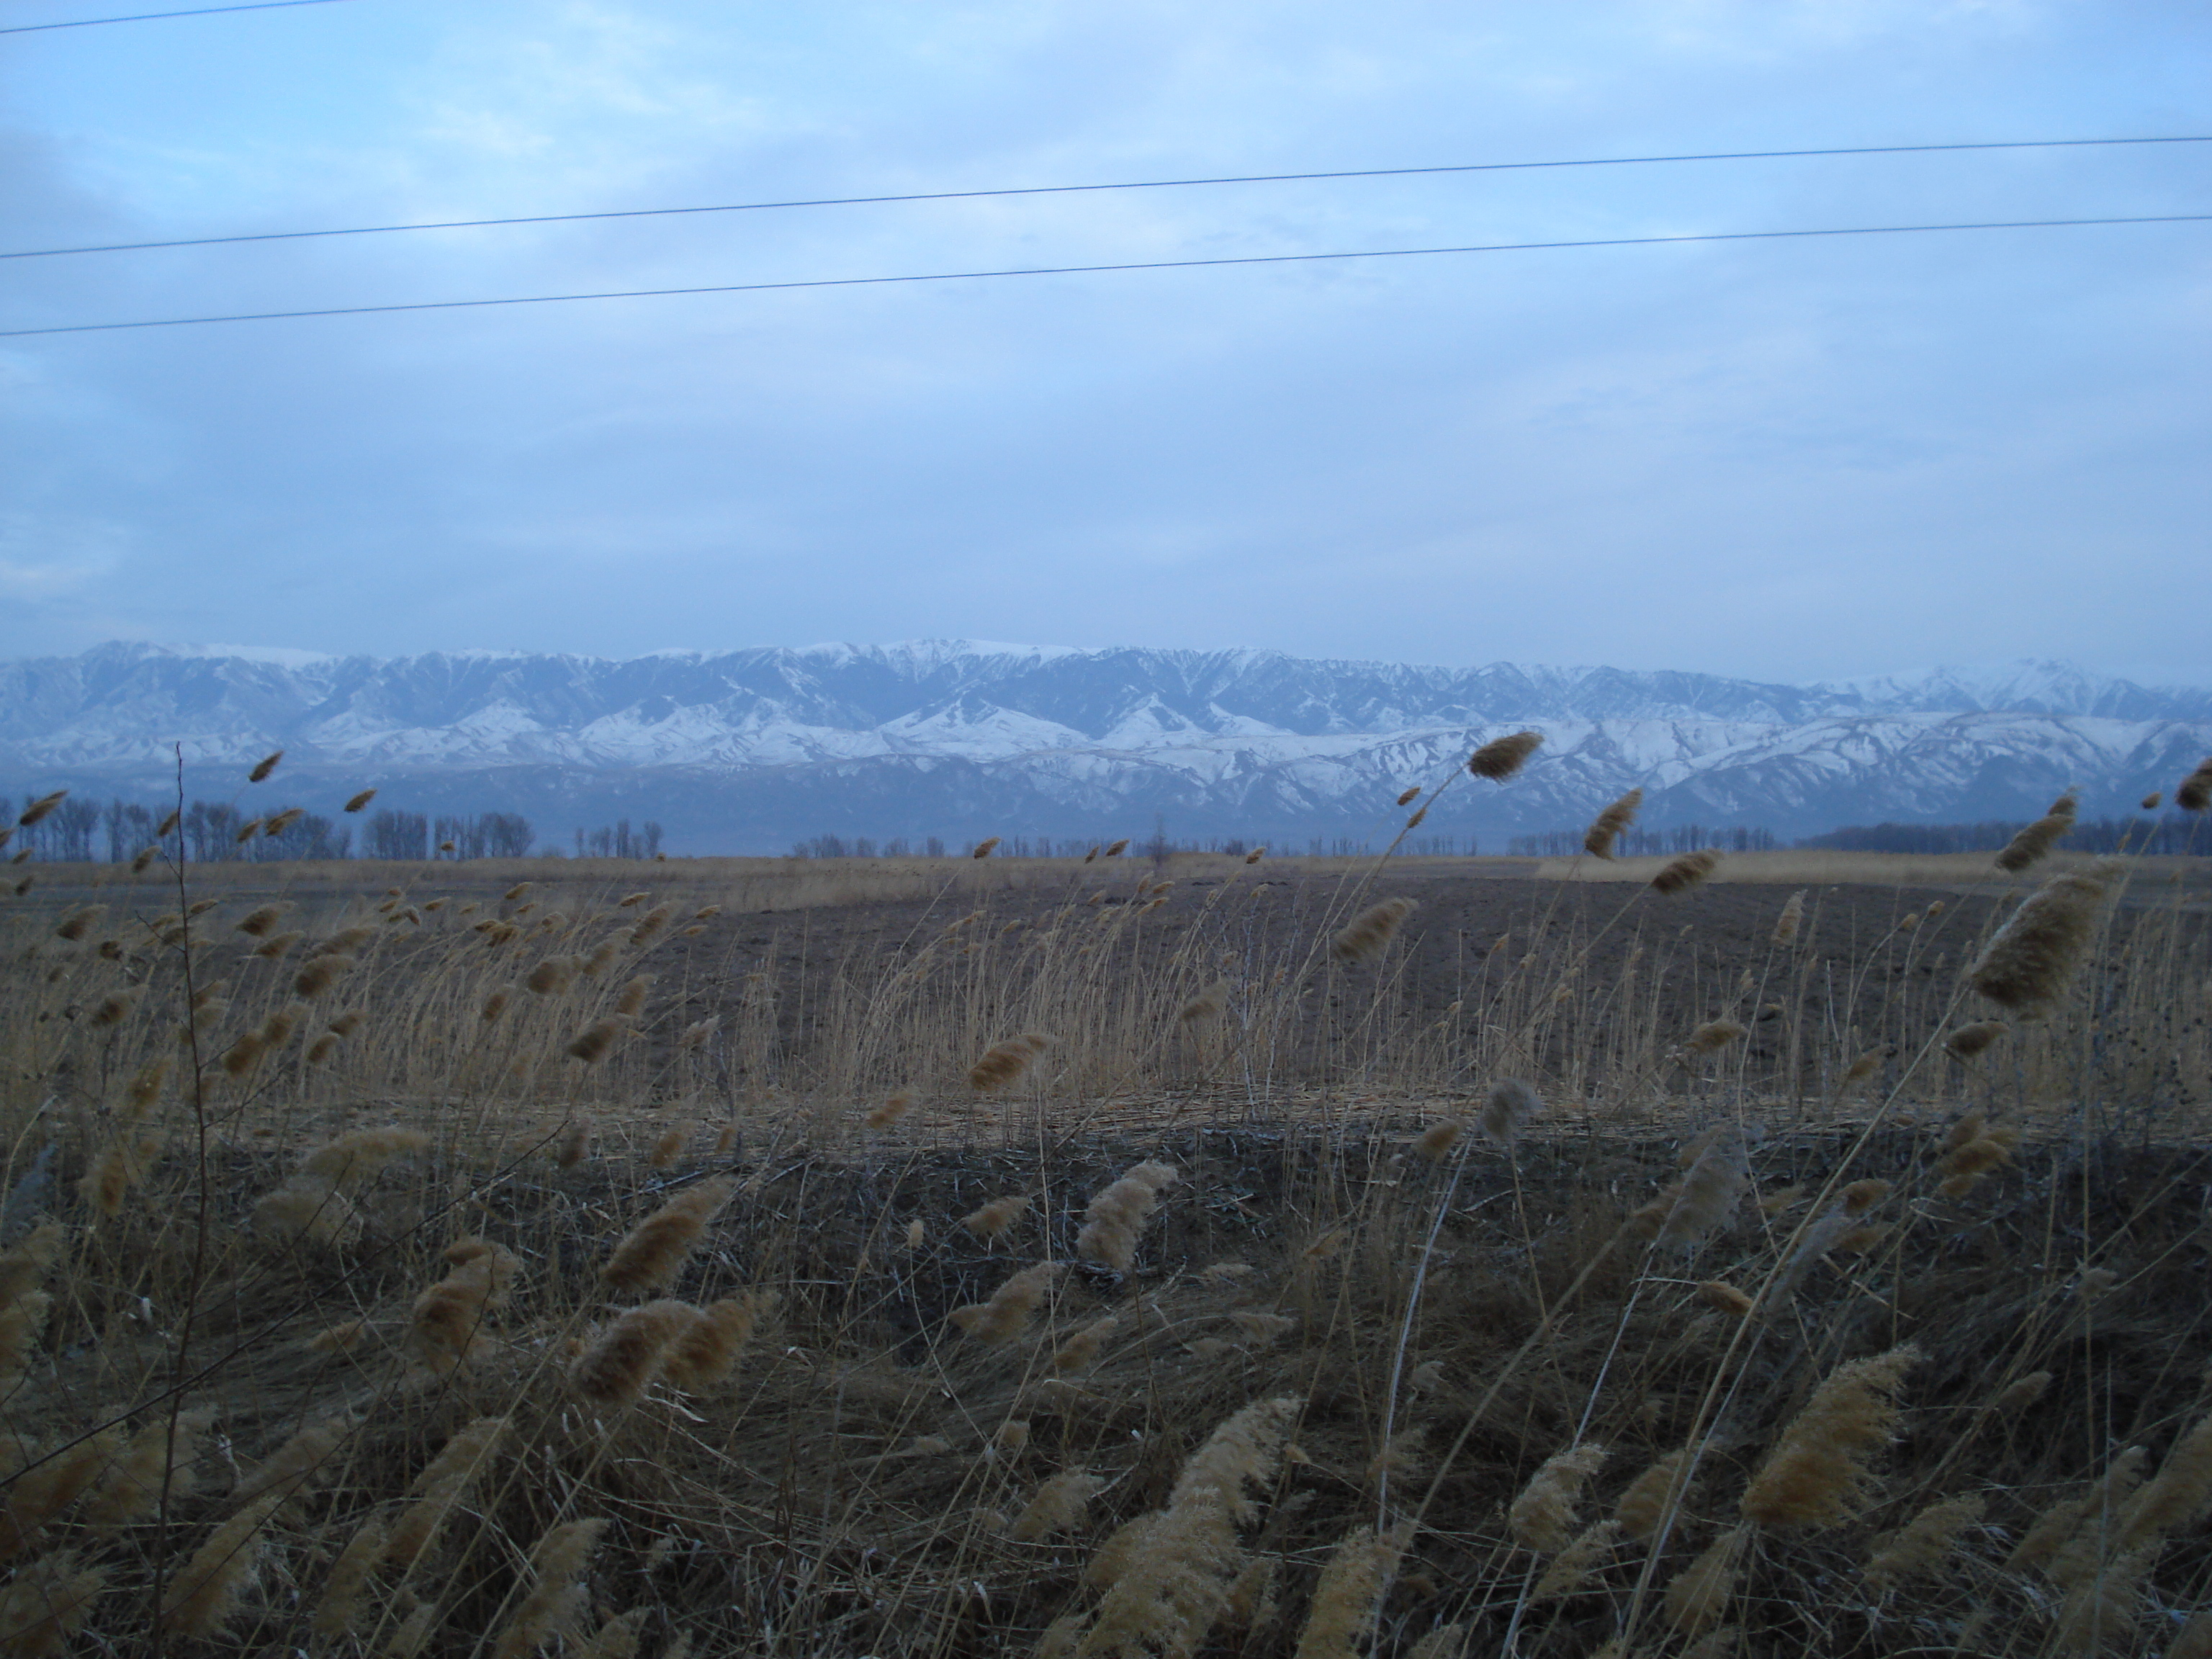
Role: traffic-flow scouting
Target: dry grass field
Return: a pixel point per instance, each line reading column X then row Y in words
column 1318, row 1257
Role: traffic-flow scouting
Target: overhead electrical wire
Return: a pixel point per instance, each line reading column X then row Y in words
column 156, row 16
column 1071, row 190
column 1077, row 271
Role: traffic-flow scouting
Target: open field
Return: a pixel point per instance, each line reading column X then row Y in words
column 943, row 1258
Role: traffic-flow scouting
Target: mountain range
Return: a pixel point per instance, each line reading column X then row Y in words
column 750, row 750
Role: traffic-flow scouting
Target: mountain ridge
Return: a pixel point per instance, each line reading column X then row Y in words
column 752, row 748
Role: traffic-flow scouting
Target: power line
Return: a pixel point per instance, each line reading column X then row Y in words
column 155, row 16
column 1081, row 270
column 1070, row 190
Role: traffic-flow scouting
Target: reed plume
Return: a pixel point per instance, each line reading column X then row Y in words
column 1700, row 1594
column 596, row 1040
column 1919, row 1547
column 1787, row 924
column 1255, row 855
column 40, row 1492
column 983, row 847
column 706, row 1350
column 1711, row 1190
column 1436, row 1142
column 2078, row 1526
column 1501, row 757
column 996, row 1216
column 2034, row 956
column 438, row 1489
column 259, row 920
column 319, row 974
column 1968, row 1041
column 1004, row 1063
column 1207, row 1005
column 1653, row 1496
column 200, row 1600
column 1716, row 1035
column 895, row 1106
column 2194, row 793
column 264, row 767
column 1058, row 1506
column 2177, row 1495
column 1352, row 1583
column 653, row 1253
column 1607, row 827
column 1542, row 1517
column 448, row 1320
column 46, row 1604
column 1007, row 1314
column 553, row 975
column 2034, row 842
column 130, row 1487
column 39, row 809
column 1405, row 796
column 1686, row 872
column 574, row 1146
column 1369, row 933
column 1570, row 1569
column 556, row 1603
column 1816, row 1474
column 614, row 1367
column 356, row 801
column 78, row 922
column 631, row 1002
column 1115, row 1218
column 1082, row 1349
column 1511, row 1105
column 298, row 1461
column 1114, row 849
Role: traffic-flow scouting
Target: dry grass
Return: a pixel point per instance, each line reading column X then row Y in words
column 781, row 1319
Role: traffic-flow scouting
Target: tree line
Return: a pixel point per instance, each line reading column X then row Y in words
column 83, row 831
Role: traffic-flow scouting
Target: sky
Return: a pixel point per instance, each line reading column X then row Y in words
column 1785, row 460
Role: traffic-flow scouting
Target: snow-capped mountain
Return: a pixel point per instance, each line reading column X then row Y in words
column 746, row 751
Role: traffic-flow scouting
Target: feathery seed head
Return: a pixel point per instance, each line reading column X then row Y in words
column 1501, row 757
column 1511, row 1105
column 897, row 1105
column 264, row 767
column 1686, row 872
column 1004, row 1063
column 37, row 809
column 2194, row 793
column 1409, row 794
column 1542, row 1516
column 1115, row 1218
column 1606, row 828
column 1792, row 918
column 984, row 846
column 596, row 1040
column 653, row 1253
column 1968, row 1041
column 996, row 1216
column 1114, row 849
column 2034, row 842
column 1008, row 1311
column 1369, row 933
column 355, row 803
column 2033, row 957
column 1816, row 1473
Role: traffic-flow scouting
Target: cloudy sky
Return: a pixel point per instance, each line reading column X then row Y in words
column 1790, row 459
